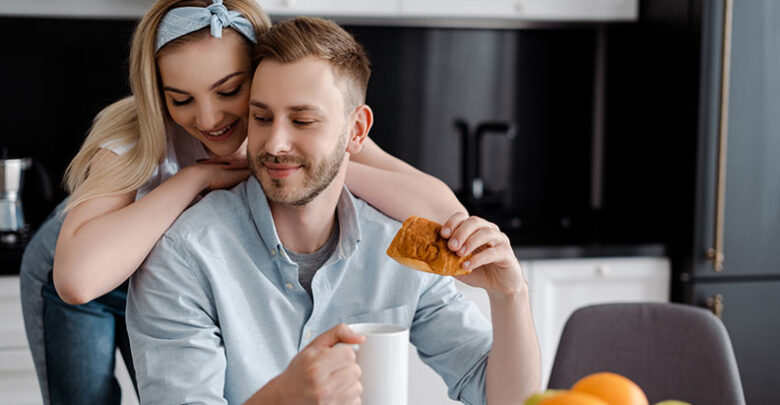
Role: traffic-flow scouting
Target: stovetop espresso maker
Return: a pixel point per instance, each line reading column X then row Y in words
column 11, row 215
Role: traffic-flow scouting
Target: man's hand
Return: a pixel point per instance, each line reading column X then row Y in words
column 323, row 372
column 494, row 266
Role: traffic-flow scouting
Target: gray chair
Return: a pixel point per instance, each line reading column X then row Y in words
column 672, row 351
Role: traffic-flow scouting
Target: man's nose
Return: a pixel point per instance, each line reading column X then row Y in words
column 210, row 116
column 278, row 142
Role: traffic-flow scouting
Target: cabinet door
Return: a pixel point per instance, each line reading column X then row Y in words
column 751, row 314
column 347, row 8
column 559, row 287
column 751, row 226
column 532, row 10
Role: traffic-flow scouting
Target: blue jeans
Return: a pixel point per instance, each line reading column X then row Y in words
column 80, row 347
column 72, row 346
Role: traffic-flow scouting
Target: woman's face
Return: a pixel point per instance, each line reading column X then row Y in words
column 206, row 88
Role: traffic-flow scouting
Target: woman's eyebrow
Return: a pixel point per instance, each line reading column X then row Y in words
column 213, row 86
column 224, row 79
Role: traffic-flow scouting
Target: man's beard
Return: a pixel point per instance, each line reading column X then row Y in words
column 316, row 178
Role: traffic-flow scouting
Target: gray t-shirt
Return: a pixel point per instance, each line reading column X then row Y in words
column 309, row 263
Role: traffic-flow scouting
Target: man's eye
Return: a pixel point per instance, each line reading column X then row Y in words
column 181, row 102
column 302, row 122
column 231, row 92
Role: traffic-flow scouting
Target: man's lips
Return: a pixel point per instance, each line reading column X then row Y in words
column 280, row 170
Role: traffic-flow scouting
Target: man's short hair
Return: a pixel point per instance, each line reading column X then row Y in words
column 292, row 40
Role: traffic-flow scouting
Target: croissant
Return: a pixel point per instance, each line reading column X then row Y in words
column 419, row 245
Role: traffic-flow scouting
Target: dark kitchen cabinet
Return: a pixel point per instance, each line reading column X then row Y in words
column 732, row 267
column 751, row 313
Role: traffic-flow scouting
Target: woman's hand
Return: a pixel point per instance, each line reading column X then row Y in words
column 494, row 265
column 237, row 160
column 213, row 176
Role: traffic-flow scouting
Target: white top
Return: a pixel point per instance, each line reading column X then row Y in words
column 182, row 150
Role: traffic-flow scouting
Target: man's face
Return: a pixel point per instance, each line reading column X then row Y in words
column 298, row 130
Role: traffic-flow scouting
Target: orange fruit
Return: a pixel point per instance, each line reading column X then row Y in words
column 613, row 388
column 572, row 398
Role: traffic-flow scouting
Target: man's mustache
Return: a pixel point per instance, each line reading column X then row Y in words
column 269, row 158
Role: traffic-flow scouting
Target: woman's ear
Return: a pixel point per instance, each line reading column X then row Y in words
column 362, row 120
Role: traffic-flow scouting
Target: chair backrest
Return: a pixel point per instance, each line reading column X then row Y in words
column 672, row 351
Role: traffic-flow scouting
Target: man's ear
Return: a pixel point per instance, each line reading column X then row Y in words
column 362, row 120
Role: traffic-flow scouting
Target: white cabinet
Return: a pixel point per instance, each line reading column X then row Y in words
column 419, row 12
column 18, row 384
column 530, row 10
column 345, row 8
column 557, row 288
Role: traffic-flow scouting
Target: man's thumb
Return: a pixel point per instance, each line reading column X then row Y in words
column 340, row 333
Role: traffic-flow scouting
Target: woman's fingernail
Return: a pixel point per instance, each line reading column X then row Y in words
column 453, row 243
column 445, row 232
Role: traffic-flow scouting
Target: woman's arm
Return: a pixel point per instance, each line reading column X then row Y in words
column 398, row 189
column 104, row 240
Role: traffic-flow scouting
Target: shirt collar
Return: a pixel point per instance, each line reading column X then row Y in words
column 261, row 214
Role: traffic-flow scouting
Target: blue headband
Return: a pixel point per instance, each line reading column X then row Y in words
column 184, row 20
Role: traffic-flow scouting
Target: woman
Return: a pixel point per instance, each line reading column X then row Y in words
column 138, row 170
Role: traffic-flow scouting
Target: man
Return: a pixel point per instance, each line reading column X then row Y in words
column 244, row 299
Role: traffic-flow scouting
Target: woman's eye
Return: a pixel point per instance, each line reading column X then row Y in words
column 181, row 102
column 261, row 119
column 231, row 92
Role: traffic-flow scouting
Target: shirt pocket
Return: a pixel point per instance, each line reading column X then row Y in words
column 400, row 315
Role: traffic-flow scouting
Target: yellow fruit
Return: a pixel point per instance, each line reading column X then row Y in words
column 613, row 388
column 672, row 402
column 538, row 397
column 572, row 398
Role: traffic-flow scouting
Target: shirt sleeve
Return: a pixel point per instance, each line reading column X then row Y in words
column 453, row 338
column 175, row 338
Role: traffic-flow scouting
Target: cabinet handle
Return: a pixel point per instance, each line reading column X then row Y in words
column 715, row 254
column 715, row 304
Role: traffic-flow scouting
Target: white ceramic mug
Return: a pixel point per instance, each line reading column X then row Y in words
column 384, row 361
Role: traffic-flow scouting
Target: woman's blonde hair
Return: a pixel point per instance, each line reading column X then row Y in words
column 141, row 118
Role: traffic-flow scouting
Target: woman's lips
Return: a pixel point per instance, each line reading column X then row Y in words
column 280, row 171
column 221, row 134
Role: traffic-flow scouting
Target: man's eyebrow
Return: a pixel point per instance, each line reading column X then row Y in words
column 255, row 103
column 306, row 107
column 213, row 86
column 295, row 108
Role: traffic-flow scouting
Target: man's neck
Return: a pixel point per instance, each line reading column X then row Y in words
column 304, row 229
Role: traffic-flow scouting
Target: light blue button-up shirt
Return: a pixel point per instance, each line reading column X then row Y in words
column 217, row 311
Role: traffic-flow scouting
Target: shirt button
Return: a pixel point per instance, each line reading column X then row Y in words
column 308, row 334
column 273, row 252
column 288, row 286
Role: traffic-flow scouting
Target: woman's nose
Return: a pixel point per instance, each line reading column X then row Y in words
column 209, row 117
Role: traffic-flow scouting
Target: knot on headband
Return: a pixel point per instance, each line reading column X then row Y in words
column 184, row 20
column 219, row 18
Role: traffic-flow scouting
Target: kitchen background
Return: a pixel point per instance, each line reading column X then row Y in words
column 593, row 142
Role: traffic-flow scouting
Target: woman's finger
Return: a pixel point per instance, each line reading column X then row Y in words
column 464, row 230
column 452, row 223
column 485, row 236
